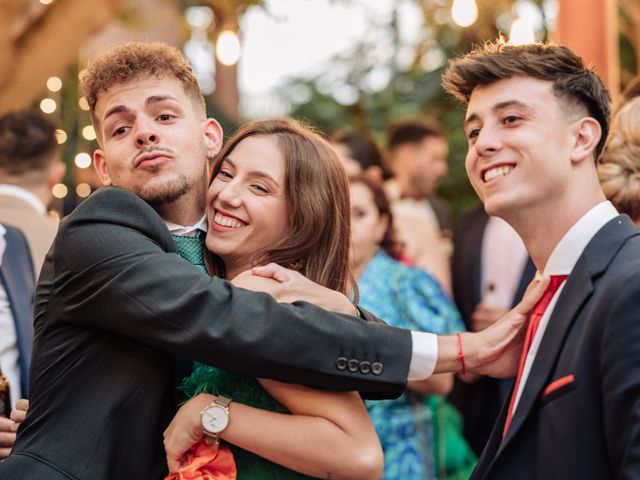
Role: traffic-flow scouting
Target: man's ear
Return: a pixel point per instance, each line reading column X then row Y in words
column 212, row 133
column 100, row 164
column 587, row 133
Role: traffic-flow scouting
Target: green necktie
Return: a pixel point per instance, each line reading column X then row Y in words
column 191, row 249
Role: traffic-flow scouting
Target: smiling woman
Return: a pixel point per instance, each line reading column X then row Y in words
column 278, row 193
column 287, row 188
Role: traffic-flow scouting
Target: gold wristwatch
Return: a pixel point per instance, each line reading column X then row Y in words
column 215, row 418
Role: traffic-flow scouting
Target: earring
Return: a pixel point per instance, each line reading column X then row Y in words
column 297, row 265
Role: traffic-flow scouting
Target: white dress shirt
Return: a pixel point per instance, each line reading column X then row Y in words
column 9, row 353
column 503, row 259
column 561, row 262
column 189, row 230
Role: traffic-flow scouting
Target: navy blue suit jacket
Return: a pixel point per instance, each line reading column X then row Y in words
column 16, row 274
column 579, row 414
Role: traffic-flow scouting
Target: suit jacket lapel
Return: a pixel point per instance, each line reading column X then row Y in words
column 579, row 287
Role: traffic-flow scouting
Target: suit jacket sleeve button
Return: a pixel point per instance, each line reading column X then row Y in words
column 341, row 363
column 354, row 365
column 365, row 367
column 376, row 368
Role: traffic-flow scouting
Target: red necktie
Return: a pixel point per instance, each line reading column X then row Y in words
column 534, row 321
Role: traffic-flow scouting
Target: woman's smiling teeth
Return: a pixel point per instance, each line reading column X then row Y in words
column 227, row 222
column 496, row 172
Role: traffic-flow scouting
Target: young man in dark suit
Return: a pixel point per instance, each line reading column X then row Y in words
column 536, row 121
column 116, row 304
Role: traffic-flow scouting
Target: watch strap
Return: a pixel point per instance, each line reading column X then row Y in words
column 213, row 438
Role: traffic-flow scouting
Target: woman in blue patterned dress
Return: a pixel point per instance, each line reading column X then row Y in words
column 405, row 297
column 279, row 194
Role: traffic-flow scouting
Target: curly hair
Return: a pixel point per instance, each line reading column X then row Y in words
column 27, row 143
column 619, row 166
column 131, row 61
column 573, row 83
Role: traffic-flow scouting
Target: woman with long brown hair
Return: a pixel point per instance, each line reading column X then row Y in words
column 279, row 194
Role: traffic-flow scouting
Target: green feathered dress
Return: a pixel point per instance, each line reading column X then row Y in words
column 245, row 390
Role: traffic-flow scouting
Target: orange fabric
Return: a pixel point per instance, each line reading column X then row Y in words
column 534, row 321
column 556, row 384
column 202, row 463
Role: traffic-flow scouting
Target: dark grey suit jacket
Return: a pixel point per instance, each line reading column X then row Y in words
column 115, row 304
column 579, row 414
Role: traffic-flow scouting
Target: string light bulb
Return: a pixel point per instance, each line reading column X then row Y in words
column 61, row 136
column 83, row 190
column 83, row 160
column 48, row 105
column 521, row 32
column 59, row 190
column 228, row 48
column 88, row 132
column 464, row 12
column 54, row 84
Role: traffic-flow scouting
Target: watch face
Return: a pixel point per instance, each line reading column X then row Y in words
column 215, row 419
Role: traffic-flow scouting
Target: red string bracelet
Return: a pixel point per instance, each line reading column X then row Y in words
column 461, row 354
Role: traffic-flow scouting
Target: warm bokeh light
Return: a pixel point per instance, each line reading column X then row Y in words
column 521, row 32
column 83, row 190
column 60, row 190
column 464, row 12
column 48, row 105
column 61, row 136
column 228, row 48
column 83, row 160
column 82, row 73
column 54, row 84
column 88, row 132
column 83, row 104
column 46, row 2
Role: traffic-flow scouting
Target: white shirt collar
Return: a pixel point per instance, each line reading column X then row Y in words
column 189, row 230
column 25, row 195
column 566, row 254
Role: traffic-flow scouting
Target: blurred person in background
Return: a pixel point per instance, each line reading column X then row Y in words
column 30, row 166
column 619, row 166
column 17, row 285
column 405, row 297
column 418, row 152
column 359, row 153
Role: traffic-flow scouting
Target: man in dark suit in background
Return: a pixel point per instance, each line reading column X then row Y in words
column 17, row 285
column 490, row 271
column 536, row 121
column 30, row 165
column 115, row 303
